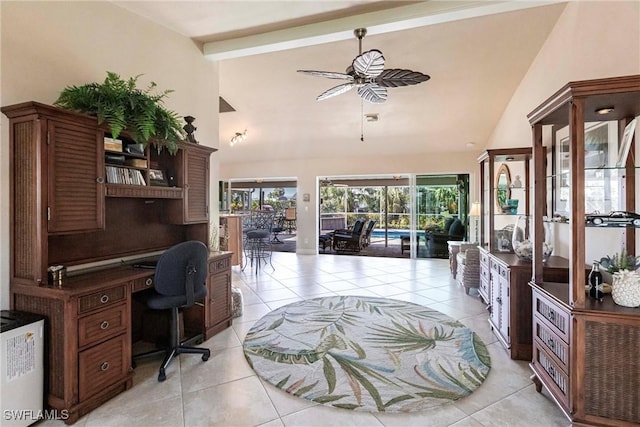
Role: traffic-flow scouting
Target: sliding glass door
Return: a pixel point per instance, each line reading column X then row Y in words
column 438, row 197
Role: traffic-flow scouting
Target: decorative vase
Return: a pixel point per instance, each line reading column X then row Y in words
column 522, row 241
column 626, row 288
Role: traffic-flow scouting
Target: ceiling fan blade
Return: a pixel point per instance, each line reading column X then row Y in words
column 371, row 92
column 369, row 63
column 336, row 90
column 327, row 74
column 396, row 77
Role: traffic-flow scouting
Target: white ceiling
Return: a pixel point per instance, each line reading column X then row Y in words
column 475, row 64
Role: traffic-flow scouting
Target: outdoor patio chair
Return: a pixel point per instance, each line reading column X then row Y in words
column 257, row 242
column 290, row 219
column 349, row 240
column 278, row 227
column 366, row 240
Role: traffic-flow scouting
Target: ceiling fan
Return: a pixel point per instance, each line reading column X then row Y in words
column 367, row 73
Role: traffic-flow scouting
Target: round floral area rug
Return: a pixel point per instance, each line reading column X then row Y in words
column 367, row 354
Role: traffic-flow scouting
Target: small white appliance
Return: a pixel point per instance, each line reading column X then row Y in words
column 21, row 368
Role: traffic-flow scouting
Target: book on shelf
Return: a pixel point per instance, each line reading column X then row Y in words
column 118, row 175
column 138, row 163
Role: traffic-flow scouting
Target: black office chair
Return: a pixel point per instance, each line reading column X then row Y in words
column 179, row 281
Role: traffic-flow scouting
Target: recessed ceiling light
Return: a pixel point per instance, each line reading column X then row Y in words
column 510, row 158
column 604, row 110
column 372, row 117
column 471, row 144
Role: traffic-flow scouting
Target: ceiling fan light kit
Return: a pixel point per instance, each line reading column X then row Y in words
column 367, row 74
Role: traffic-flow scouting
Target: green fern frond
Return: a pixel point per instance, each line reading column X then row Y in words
column 121, row 105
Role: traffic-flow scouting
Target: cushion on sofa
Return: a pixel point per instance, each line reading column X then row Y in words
column 447, row 224
column 456, row 229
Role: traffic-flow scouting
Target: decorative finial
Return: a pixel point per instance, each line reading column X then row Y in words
column 189, row 128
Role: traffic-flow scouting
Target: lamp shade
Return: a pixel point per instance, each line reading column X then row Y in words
column 475, row 209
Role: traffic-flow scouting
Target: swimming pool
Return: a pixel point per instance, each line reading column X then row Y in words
column 393, row 234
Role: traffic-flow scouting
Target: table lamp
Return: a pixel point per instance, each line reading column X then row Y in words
column 475, row 213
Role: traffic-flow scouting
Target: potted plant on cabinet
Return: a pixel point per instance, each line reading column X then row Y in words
column 122, row 106
column 625, row 286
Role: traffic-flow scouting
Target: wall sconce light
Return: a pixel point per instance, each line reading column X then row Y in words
column 238, row 137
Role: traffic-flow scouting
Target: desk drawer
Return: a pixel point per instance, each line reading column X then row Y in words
column 98, row 326
column 101, row 366
column 218, row 265
column 142, row 284
column 102, row 299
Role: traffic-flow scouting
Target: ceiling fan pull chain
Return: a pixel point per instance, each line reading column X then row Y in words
column 361, row 120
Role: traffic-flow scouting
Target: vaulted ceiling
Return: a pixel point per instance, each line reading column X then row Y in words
column 475, row 52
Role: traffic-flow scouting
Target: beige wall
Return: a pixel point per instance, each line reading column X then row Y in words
column 46, row 46
column 592, row 39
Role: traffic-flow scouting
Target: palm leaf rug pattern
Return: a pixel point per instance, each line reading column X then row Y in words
column 367, row 354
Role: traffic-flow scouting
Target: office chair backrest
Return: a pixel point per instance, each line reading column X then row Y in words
column 181, row 269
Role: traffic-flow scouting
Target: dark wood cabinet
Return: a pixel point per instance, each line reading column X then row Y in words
column 218, row 301
column 193, row 160
column 65, row 212
column 584, row 349
column 75, row 177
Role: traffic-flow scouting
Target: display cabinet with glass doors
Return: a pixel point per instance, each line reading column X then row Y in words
column 505, row 187
column 585, row 349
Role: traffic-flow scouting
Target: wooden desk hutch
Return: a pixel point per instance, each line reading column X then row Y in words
column 67, row 210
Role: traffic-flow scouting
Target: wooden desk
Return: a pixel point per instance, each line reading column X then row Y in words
column 90, row 328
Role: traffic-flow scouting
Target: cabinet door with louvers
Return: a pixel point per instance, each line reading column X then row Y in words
column 75, row 178
column 196, row 186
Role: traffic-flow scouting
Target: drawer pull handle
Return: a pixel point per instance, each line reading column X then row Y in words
column 499, row 300
column 104, row 325
column 104, row 299
column 104, row 366
column 551, row 316
column 148, row 282
column 551, row 343
column 551, row 371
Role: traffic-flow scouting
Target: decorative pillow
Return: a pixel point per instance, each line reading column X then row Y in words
column 447, row 224
column 456, row 229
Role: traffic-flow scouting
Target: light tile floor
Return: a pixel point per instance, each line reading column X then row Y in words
column 225, row 392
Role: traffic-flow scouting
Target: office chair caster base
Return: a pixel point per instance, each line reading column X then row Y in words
column 161, row 376
column 205, row 357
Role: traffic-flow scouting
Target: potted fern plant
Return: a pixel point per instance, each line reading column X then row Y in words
column 121, row 105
